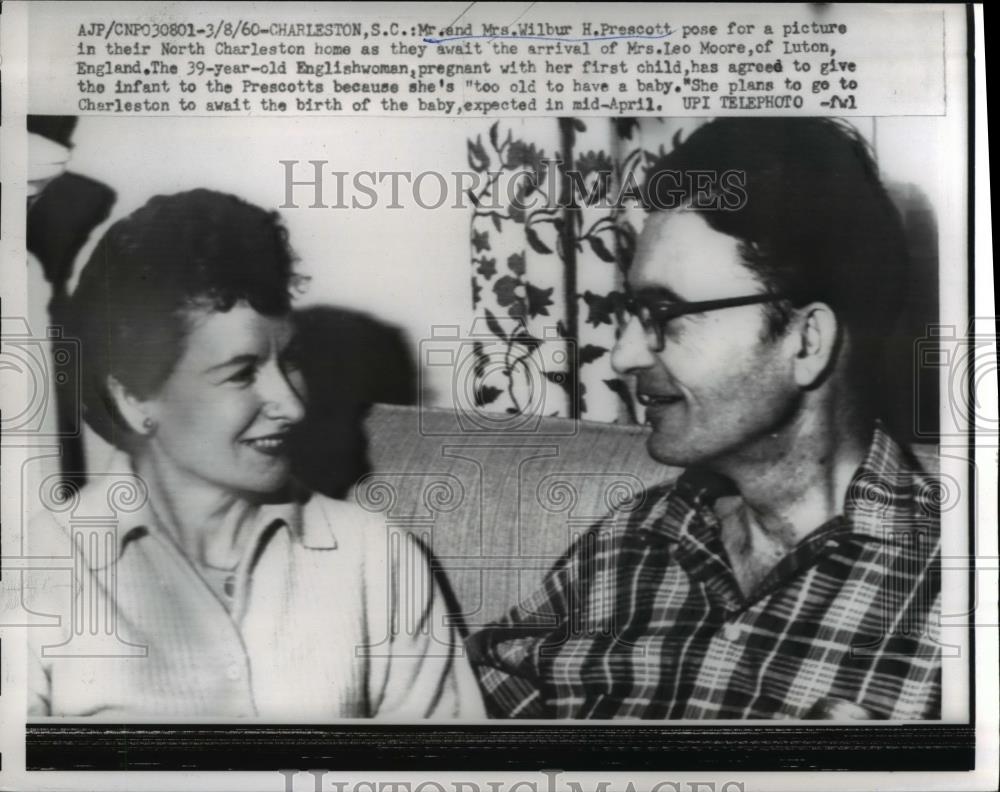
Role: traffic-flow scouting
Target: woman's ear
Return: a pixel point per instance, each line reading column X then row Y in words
column 135, row 411
column 817, row 339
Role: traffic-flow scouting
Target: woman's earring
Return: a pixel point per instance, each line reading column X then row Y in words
column 148, row 425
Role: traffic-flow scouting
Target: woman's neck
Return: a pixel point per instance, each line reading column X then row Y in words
column 203, row 519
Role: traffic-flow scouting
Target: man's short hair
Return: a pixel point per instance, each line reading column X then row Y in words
column 812, row 217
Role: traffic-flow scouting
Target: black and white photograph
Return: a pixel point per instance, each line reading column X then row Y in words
column 525, row 389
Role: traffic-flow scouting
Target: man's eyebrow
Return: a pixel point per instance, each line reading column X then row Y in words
column 653, row 292
column 238, row 360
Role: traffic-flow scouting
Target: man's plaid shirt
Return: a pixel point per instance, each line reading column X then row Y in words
column 643, row 617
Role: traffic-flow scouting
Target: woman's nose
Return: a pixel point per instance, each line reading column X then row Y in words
column 283, row 397
column 632, row 350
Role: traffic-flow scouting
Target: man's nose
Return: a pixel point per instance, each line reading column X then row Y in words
column 631, row 352
column 283, row 400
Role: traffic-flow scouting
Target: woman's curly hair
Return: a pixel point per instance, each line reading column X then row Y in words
column 178, row 254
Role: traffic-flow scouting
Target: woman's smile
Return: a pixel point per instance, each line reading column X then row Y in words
column 236, row 389
column 272, row 445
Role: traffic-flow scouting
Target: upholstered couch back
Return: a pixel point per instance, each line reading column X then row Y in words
column 498, row 509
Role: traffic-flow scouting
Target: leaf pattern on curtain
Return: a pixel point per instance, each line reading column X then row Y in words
column 521, row 359
column 548, row 279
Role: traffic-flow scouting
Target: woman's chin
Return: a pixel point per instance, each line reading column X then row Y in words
column 263, row 479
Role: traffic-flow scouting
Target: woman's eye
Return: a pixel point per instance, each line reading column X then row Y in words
column 291, row 363
column 244, row 375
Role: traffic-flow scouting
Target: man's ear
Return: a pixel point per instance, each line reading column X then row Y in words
column 134, row 411
column 817, row 336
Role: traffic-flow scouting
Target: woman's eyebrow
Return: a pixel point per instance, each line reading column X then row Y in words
column 238, row 360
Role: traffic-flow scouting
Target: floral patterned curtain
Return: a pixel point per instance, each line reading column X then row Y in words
column 550, row 248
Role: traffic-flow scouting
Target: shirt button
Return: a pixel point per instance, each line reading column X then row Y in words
column 234, row 672
column 731, row 631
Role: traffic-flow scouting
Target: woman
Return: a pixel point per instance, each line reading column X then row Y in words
column 222, row 590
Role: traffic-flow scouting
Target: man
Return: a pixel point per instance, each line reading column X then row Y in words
column 792, row 570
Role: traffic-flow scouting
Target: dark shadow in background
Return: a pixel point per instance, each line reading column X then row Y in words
column 59, row 221
column 912, row 381
column 350, row 361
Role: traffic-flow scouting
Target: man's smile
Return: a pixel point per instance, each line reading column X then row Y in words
column 647, row 399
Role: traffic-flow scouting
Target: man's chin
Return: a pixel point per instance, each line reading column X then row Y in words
column 668, row 451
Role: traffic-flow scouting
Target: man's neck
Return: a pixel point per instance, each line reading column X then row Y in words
column 793, row 482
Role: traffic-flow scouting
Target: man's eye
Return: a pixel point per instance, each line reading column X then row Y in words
column 666, row 316
column 664, row 313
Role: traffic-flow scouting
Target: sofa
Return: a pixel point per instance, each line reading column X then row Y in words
column 498, row 502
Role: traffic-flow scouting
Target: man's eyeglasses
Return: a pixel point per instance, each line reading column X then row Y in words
column 654, row 315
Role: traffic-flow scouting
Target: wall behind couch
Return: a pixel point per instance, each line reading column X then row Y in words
column 406, row 267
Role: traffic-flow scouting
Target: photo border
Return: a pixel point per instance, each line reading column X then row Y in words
column 499, row 746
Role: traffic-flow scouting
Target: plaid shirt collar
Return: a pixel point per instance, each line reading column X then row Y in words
column 886, row 485
column 882, row 494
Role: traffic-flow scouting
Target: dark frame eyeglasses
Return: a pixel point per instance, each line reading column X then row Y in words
column 654, row 315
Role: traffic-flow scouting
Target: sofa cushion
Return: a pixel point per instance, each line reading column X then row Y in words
column 499, row 509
